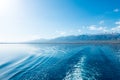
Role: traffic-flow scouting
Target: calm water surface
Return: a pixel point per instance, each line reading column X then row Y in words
column 59, row 62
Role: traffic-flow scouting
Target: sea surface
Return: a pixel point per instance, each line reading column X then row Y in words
column 59, row 61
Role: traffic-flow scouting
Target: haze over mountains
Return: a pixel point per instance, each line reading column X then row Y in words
column 87, row 37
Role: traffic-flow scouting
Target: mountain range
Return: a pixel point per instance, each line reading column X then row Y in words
column 79, row 38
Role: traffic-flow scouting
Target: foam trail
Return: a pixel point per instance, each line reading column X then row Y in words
column 76, row 73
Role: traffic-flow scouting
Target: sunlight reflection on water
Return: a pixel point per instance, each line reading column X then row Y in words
column 58, row 62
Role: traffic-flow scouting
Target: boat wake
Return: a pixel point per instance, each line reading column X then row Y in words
column 70, row 63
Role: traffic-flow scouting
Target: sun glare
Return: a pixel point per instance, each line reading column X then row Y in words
column 6, row 6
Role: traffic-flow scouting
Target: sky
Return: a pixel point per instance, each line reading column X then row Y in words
column 24, row 20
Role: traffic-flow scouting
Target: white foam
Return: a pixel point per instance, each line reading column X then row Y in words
column 77, row 71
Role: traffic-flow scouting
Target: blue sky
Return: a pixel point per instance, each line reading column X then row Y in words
column 22, row 20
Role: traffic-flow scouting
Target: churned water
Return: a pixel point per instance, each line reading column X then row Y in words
column 59, row 62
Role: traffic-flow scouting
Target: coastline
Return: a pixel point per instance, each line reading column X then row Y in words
column 78, row 42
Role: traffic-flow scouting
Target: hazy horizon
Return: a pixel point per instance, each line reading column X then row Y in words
column 24, row 20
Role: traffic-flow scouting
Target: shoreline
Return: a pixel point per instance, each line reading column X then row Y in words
column 79, row 42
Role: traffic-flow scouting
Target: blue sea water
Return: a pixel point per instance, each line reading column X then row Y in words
column 59, row 61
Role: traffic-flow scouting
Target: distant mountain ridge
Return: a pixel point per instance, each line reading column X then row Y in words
column 97, row 37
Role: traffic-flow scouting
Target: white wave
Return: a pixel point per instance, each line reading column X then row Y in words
column 77, row 71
